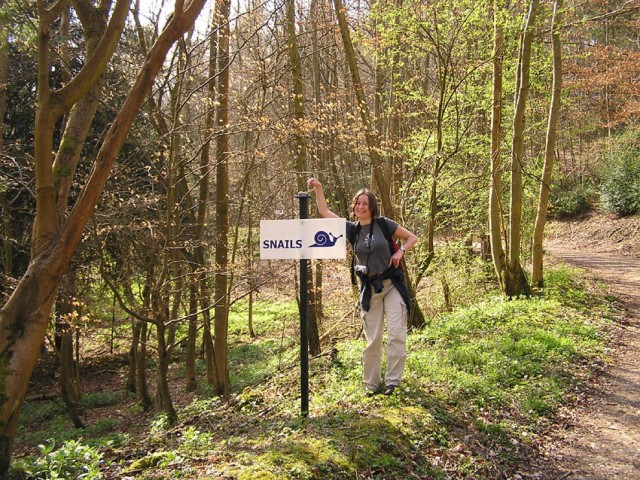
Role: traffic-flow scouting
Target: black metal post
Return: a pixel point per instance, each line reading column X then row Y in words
column 303, row 197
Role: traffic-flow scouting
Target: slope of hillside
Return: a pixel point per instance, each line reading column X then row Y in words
column 598, row 232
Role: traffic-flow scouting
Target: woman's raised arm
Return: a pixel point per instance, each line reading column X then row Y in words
column 321, row 201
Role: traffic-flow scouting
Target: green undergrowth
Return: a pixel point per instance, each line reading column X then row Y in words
column 480, row 386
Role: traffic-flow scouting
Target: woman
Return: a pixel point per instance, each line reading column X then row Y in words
column 383, row 290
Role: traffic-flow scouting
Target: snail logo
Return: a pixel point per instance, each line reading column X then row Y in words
column 324, row 239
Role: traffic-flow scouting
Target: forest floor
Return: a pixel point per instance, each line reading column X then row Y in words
column 596, row 437
column 600, row 437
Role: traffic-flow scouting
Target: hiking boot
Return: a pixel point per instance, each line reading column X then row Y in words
column 377, row 391
column 390, row 389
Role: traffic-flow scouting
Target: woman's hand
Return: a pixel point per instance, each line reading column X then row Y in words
column 408, row 238
column 314, row 183
column 321, row 201
column 396, row 259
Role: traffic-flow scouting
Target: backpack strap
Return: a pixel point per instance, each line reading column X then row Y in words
column 355, row 231
column 394, row 246
column 386, row 231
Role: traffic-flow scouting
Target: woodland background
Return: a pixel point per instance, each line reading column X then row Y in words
column 139, row 155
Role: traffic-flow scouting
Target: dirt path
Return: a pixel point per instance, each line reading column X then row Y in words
column 601, row 439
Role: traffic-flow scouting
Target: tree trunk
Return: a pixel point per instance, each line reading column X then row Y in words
column 182, row 215
column 174, row 313
column 190, row 361
column 80, row 117
column 130, row 383
column 209, row 351
column 67, row 311
column 137, row 378
column 550, row 148
column 300, row 153
column 299, row 144
column 252, row 281
column 372, row 136
column 23, row 322
column 69, row 389
column 7, row 249
column 318, row 312
column 76, row 129
column 142, row 387
column 516, row 281
column 7, row 235
column 177, row 193
column 204, row 183
column 496, row 211
column 163, row 394
column 222, row 204
column 321, row 150
column 23, row 318
column 4, row 65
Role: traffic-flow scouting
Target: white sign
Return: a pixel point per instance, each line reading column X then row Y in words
column 303, row 239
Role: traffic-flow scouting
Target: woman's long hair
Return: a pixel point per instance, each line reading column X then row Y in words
column 373, row 202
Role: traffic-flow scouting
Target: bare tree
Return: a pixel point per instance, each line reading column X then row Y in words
column 516, row 281
column 507, row 262
column 550, row 147
column 495, row 203
column 7, row 254
column 371, row 134
column 24, row 317
column 76, row 129
column 222, row 201
column 300, row 154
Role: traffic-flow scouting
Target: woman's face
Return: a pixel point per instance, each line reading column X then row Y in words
column 361, row 209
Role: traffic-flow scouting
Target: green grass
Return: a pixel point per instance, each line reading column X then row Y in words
column 48, row 420
column 481, row 383
column 268, row 317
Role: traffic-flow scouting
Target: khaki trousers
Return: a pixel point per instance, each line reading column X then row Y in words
column 389, row 303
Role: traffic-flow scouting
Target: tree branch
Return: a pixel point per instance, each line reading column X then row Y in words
column 64, row 98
